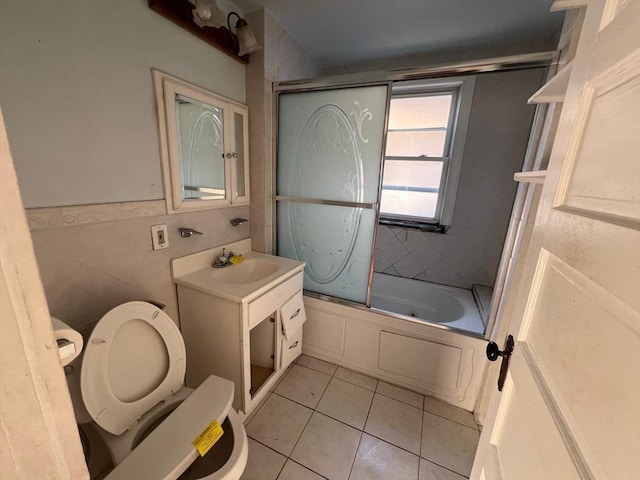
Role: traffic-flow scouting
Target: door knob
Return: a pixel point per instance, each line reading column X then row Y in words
column 493, row 352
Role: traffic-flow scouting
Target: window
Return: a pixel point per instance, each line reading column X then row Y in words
column 425, row 138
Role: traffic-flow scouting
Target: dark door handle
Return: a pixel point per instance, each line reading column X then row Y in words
column 493, row 352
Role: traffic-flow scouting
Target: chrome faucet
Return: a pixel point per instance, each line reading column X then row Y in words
column 188, row 232
column 223, row 260
column 238, row 221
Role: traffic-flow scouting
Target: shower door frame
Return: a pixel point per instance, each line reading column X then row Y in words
column 375, row 206
column 380, row 78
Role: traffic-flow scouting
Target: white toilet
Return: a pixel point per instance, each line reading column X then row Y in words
column 132, row 385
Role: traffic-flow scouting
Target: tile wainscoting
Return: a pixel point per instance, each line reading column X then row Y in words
column 95, row 257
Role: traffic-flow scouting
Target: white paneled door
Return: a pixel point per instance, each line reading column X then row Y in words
column 38, row 432
column 570, row 406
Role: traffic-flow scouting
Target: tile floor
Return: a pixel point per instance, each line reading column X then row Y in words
column 323, row 421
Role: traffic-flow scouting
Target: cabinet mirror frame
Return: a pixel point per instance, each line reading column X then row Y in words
column 236, row 165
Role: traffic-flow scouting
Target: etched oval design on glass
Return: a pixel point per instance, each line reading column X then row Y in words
column 206, row 137
column 201, row 147
column 327, row 147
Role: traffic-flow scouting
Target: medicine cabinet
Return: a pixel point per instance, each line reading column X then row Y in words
column 204, row 146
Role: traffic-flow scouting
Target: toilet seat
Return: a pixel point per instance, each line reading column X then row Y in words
column 168, row 450
column 121, row 446
column 134, row 359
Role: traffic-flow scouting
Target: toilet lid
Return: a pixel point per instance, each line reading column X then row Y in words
column 134, row 359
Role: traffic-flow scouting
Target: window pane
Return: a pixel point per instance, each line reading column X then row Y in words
column 412, row 174
column 410, row 188
column 415, row 204
column 415, row 144
column 420, row 112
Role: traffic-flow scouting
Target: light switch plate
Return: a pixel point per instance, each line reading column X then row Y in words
column 159, row 236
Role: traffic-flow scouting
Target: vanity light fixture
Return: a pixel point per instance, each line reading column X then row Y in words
column 203, row 19
column 207, row 14
column 246, row 40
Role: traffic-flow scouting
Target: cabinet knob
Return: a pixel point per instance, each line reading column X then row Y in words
column 228, row 155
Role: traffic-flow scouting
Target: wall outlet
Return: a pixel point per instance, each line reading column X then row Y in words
column 159, row 236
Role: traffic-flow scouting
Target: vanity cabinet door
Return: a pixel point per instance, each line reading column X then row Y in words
column 292, row 317
column 290, row 349
column 262, row 354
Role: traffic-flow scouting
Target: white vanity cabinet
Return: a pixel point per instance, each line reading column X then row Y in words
column 247, row 338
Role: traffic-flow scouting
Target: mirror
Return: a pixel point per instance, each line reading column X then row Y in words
column 200, row 143
column 203, row 141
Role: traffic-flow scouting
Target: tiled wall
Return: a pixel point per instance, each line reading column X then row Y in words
column 91, row 262
column 281, row 58
column 469, row 253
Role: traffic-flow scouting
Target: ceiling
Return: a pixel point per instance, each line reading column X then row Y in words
column 343, row 32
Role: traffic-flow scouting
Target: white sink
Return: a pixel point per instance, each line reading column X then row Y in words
column 256, row 274
column 250, row 270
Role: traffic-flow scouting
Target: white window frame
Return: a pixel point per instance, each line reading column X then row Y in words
column 462, row 89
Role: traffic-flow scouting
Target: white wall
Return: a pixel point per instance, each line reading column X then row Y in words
column 76, row 91
column 497, row 136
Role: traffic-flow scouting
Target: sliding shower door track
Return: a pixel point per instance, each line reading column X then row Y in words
column 319, row 201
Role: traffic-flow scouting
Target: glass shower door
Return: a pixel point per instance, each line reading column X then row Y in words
column 328, row 178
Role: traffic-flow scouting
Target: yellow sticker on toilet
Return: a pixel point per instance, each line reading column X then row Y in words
column 208, row 438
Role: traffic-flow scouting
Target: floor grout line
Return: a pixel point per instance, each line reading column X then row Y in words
column 397, row 400
column 421, row 436
column 363, row 430
column 298, row 440
column 392, row 444
column 304, row 466
column 385, row 395
column 446, row 468
column 452, row 421
column 336, row 420
column 361, row 434
column 393, row 398
column 355, row 457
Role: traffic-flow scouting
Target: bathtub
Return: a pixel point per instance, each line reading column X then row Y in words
column 429, row 358
column 428, row 302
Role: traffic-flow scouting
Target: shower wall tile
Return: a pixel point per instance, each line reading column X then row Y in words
column 389, row 245
column 407, row 267
column 382, row 263
column 392, row 271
